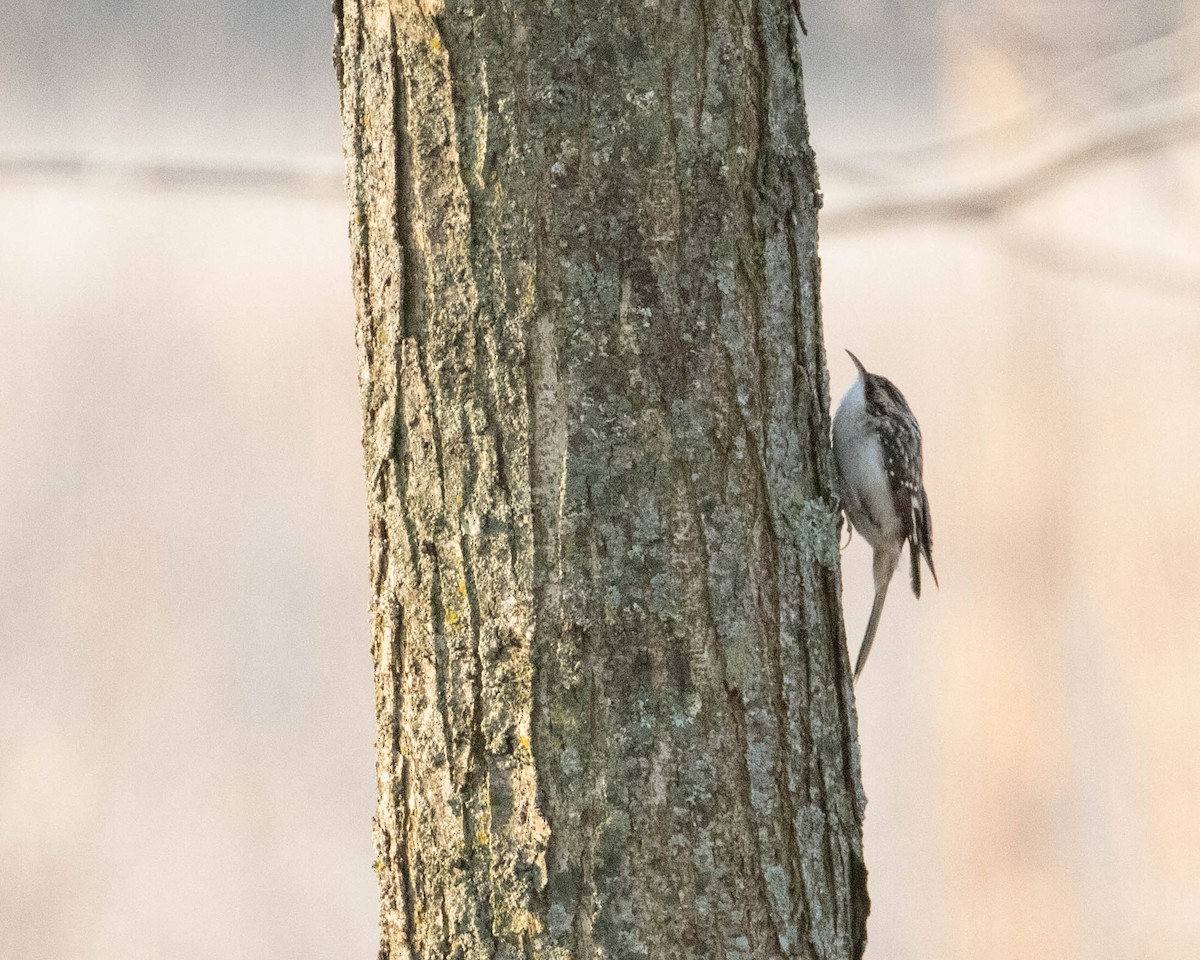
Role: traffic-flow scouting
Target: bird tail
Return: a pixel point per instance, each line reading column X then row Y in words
column 922, row 538
column 872, row 626
column 915, row 557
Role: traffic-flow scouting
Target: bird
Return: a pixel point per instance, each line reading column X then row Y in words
column 877, row 447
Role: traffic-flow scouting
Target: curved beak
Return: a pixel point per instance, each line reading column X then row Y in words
column 861, row 369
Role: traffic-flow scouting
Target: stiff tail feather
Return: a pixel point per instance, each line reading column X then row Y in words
column 925, row 537
column 872, row 626
column 915, row 557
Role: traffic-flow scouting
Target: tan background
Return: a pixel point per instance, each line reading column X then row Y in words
column 183, row 589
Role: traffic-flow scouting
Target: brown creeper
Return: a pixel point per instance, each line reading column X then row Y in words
column 877, row 445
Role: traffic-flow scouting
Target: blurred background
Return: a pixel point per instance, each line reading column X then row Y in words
column 1011, row 233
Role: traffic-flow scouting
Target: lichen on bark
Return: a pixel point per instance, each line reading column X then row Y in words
column 615, row 717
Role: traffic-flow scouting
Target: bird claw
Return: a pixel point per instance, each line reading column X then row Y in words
column 849, row 531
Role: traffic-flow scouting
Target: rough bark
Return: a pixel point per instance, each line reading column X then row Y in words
column 612, row 688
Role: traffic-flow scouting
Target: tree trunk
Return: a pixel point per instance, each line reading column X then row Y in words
column 615, row 717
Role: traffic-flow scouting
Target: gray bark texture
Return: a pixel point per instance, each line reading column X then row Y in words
column 614, row 706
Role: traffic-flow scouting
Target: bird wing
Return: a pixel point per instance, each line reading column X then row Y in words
column 900, row 438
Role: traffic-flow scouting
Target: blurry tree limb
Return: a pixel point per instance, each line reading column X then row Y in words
column 1148, row 273
column 1131, row 133
column 612, row 688
column 319, row 179
column 1110, row 138
column 1134, row 67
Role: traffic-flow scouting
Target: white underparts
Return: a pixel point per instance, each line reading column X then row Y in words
column 865, row 491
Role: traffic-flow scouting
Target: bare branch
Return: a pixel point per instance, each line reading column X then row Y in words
column 1131, row 269
column 1116, row 136
column 319, row 179
column 1138, row 66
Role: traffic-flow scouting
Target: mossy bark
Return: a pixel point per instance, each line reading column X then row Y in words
column 615, row 717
